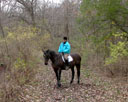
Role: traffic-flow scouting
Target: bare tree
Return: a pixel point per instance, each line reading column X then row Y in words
column 28, row 6
column 56, row 19
column 4, row 7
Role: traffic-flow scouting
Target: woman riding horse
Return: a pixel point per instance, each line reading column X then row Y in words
column 58, row 64
column 65, row 49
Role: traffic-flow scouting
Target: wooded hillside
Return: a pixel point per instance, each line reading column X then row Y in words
column 96, row 29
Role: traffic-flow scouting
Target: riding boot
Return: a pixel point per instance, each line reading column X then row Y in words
column 67, row 64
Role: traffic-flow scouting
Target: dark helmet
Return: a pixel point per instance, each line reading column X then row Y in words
column 65, row 38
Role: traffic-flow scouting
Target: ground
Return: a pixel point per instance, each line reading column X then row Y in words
column 93, row 88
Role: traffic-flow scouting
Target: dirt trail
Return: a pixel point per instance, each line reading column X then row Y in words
column 91, row 89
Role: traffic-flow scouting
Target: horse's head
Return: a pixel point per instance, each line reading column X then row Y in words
column 46, row 56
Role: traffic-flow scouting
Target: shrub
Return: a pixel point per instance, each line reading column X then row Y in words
column 24, row 46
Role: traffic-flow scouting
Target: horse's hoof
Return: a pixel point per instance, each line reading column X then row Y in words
column 59, row 85
column 71, row 82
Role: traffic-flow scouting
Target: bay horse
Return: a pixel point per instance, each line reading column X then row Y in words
column 58, row 64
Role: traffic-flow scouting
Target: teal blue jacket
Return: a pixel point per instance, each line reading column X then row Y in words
column 65, row 48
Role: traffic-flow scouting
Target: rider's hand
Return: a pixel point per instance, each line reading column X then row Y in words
column 62, row 53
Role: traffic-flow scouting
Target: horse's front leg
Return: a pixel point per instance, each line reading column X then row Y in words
column 59, row 83
column 73, row 72
column 57, row 77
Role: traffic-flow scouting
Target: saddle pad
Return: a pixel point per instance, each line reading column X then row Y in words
column 70, row 59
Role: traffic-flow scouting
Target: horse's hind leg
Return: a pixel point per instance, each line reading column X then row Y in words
column 78, row 72
column 73, row 72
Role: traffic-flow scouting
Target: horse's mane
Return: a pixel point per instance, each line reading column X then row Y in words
column 52, row 52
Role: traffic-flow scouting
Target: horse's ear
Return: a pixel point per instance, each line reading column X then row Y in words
column 47, row 50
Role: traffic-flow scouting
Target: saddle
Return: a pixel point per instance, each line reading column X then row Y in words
column 69, row 59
